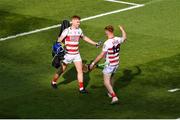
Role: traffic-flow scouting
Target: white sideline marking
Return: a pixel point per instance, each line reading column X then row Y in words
column 174, row 90
column 112, row 12
column 84, row 19
column 30, row 32
column 128, row 3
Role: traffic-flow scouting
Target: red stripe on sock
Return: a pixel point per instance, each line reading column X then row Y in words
column 113, row 94
column 81, row 85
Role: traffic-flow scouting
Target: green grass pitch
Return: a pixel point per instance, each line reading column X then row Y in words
column 149, row 67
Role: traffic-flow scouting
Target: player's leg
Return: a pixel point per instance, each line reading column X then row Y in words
column 109, row 87
column 108, row 74
column 59, row 72
column 78, row 65
column 67, row 60
column 107, row 83
column 112, row 84
column 111, row 80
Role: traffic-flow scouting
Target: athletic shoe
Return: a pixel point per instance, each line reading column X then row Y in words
column 114, row 100
column 84, row 91
column 54, row 85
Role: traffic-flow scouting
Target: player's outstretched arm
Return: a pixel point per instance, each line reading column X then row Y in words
column 88, row 40
column 124, row 35
column 98, row 58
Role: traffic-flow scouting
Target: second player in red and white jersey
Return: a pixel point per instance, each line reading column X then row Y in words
column 111, row 51
column 72, row 37
column 112, row 48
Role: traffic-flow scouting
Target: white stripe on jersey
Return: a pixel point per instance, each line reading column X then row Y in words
column 72, row 48
column 77, row 52
column 110, row 51
column 115, row 63
column 112, row 55
column 71, row 42
column 112, row 59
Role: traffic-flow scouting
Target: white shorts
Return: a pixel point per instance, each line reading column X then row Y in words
column 68, row 58
column 110, row 69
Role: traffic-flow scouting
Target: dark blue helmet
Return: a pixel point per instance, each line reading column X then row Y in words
column 58, row 53
column 58, row 48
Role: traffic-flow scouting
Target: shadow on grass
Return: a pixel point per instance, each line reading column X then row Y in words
column 126, row 78
column 71, row 75
column 149, row 102
column 8, row 116
column 13, row 23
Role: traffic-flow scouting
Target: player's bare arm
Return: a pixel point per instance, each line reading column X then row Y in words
column 61, row 38
column 124, row 35
column 88, row 40
column 98, row 58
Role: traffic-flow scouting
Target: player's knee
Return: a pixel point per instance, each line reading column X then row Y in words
column 64, row 66
column 105, row 82
column 63, row 70
column 79, row 71
column 60, row 71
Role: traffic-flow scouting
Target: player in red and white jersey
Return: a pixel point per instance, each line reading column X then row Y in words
column 70, row 37
column 111, row 53
column 72, row 40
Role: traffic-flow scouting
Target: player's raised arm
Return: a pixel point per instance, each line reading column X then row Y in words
column 124, row 36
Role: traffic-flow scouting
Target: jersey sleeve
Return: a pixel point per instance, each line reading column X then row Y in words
column 105, row 47
column 64, row 33
column 82, row 34
column 120, row 39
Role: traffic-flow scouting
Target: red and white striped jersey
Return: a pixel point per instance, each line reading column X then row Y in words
column 72, row 37
column 112, row 48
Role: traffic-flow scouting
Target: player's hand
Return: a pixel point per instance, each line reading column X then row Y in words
column 98, row 44
column 91, row 66
column 60, row 44
column 121, row 27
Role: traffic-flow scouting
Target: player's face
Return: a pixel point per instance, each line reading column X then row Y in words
column 76, row 22
column 107, row 33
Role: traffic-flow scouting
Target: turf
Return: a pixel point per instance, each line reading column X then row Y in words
column 150, row 61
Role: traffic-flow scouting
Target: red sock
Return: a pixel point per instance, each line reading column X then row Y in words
column 113, row 94
column 81, row 86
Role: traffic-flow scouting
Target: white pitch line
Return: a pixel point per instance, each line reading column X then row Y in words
column 112, row 12
column 84, row 19
column 174, row 90
column 128, row 3
column 30, row 32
